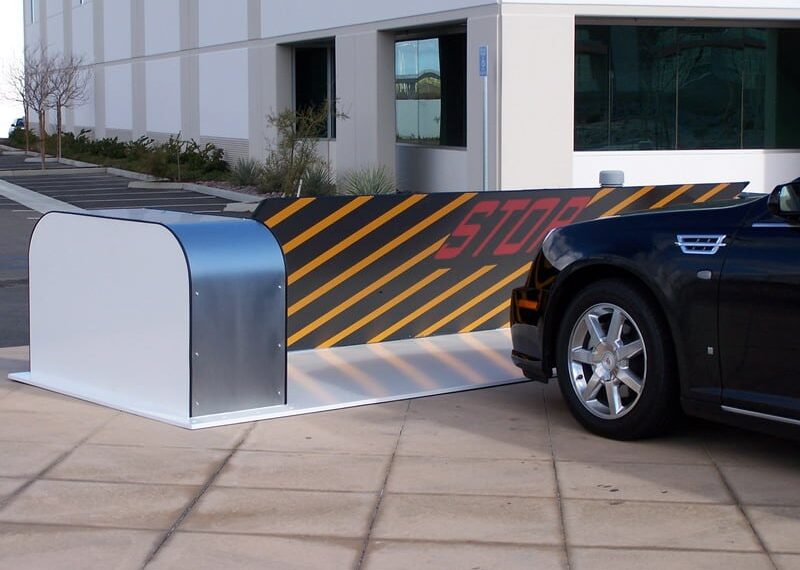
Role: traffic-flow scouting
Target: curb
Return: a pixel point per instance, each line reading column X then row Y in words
column 50, row 172
column 34, row 200
column 72, row 162
column 131, row 174
column 217, row 192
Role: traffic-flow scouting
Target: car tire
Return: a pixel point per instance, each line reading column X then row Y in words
column 615, row 362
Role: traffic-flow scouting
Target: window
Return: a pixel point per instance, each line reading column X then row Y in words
column 32, row 9
column 315, row 82
column 431, row 90
column 669, row 87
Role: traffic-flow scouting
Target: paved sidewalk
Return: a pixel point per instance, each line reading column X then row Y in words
column 497, row 478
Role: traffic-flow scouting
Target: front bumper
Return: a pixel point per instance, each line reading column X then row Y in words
column 526, row 333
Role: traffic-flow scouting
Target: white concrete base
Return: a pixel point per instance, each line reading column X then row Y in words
column 343, row 377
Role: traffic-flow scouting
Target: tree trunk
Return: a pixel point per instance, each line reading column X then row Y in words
column 42, row 136
column 58, row 132
column 27, row 130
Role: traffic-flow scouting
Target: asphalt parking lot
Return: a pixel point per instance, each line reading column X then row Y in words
column 100, row 191
column 16, row 224
column 16, row 161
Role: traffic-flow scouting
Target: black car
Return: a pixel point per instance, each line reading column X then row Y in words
column 644, row 314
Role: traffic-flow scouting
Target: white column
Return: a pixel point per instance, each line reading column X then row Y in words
column 270, row 76
column 537, row 94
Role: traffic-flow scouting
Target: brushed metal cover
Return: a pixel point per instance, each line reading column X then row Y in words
column 238, row 308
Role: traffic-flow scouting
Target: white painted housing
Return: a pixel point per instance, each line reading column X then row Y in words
column 214, row 70
column 109, row 314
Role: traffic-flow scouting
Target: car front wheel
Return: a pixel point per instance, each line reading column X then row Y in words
column 615, row 362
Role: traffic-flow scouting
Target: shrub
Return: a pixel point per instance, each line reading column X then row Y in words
column 246, row 172
column 369, row 180
column 138, row 149
column 317, row 181
column 157, row 163
column 17, row 138
column 294, row 152
column 274, row 176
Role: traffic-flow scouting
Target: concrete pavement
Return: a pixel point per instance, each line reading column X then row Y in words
column 496, row 478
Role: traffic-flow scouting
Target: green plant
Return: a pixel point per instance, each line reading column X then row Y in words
column 17, row 138
column 135, row 150
column 318, row 181
column 295, row 149
column 157, row 163
column 369, row 180
column 246, row 172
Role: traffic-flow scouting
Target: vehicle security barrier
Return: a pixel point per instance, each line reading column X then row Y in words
column 187, row 318
column 368, row 269
column 178, row 317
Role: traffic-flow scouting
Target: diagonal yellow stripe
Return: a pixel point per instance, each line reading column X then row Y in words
column 432, row 303
column 353, row 238
column 627, row 201
column 711, row 193
column 475, row 300
column 288, row 211
column 359, row 295
column 326, row 222
column 380, row 252
column 383, row 308
column 672, row 195
column 504, row 306
column 506, row 325
column 602, row 193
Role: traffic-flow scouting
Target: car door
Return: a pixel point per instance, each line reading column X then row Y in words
column 759, row 317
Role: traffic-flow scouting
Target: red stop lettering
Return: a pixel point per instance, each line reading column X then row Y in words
column 466, row 230
column 565, row 216
column 509, row 208
column 543, row 207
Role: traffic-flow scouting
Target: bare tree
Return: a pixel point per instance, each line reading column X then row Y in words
column 69, row 80
column 38, row 75
column 20, row 92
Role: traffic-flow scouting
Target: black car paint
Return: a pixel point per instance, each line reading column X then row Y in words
column 734, row 333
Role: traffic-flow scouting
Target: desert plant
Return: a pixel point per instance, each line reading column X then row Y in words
column 246, row 172
column 295, row 147
column 369, row 180
column 318, row 181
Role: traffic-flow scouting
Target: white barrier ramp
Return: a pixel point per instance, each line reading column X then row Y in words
column 182, row 318
column 333, row 378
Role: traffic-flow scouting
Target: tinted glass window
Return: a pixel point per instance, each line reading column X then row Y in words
column 314, row 83
column 659, row 87
column 430, row 90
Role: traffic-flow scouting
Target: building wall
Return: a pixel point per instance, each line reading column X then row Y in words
column 537, row 108
column 213, row 71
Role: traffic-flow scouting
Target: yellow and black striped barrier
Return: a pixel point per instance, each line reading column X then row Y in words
column 367, row 269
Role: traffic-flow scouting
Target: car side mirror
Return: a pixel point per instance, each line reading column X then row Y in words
column 785, row 200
